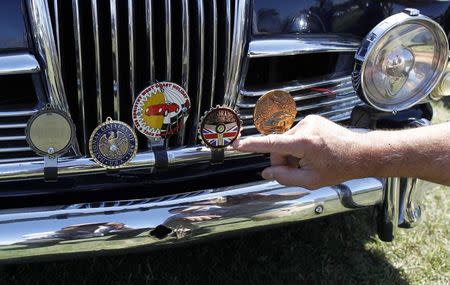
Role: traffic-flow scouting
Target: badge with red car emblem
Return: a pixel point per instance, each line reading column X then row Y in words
column 161, row 110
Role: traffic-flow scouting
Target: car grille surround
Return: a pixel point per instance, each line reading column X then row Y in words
column 108, row 51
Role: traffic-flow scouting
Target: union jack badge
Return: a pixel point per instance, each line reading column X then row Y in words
column 219, row 127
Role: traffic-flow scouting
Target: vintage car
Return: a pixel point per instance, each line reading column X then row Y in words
column 162, row 109
column 89, row 60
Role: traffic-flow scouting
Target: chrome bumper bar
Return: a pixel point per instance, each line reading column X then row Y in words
column 34, row 169
column 52, row 232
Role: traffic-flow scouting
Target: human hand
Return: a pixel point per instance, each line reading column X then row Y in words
column 313, row 154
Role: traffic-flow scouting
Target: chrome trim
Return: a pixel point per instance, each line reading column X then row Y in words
column 149, row 28
column 44, row 41
column 12, row 126
column 353, row 100
column 115, row 58
column 77, row 166
column 98, row 70
column 298, row 86
column 21, row 63
column 168, row 30
column 197, row 113
column 45, row 44
column 214, row 53
column 79, row 71
column 57, row 31
column 52, row 231
column 299, row 44
column 22, row 113
column 227, row 41
column 14, row 149
column 12, row 138
column 411, row 203
column 185, row 45
column 337, row 115
column 390, row 211
column 185, row 56
column 240, row 34
column 131, row 47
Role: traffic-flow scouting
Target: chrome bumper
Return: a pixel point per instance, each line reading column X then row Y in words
column 46, row 233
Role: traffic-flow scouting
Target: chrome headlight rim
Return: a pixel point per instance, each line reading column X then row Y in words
column 374, row 38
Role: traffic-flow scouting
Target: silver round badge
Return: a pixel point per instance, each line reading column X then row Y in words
column 50, row 132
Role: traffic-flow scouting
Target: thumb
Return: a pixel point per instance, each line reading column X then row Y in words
column 290, row 176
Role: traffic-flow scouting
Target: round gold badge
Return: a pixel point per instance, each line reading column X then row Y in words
column 274, row 112
column 50, row 132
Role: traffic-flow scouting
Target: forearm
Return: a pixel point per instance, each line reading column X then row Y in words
column 422, row 153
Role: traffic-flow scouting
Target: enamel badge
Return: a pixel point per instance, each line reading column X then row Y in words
column 161, row 109
column 219, row 127
column 274, row 112
column 50, row 132
column 113, row 144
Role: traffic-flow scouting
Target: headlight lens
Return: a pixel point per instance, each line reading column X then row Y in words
column 400, row 61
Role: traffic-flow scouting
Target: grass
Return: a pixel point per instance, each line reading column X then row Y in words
column 335, row 250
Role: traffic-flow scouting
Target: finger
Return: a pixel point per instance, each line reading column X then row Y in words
column 290, row 176
column 278, row 159
column 268, row 144
column 293, row 161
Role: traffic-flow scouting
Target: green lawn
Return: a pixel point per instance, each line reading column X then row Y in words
column 335, row 250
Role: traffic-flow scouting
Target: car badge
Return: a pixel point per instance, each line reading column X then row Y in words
column 274, row 112
column 113, row 144
column 219, row 127
column 161, row 110
column 50, row 132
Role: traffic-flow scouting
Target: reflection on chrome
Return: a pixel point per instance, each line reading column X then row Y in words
column 166, row 220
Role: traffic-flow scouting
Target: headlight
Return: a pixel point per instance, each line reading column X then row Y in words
column 400, row 61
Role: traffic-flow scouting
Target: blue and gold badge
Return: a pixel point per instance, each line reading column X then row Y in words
column 113, row 144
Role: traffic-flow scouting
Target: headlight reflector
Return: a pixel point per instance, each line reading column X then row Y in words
column 400, row 61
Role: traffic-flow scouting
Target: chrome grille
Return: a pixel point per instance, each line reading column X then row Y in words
column 333, row 98
column 110, row 50
column 18, row 102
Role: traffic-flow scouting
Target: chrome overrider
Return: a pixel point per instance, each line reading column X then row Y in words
column 134, row 225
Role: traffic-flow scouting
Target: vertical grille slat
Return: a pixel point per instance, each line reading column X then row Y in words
column 115, row 58
column 79, row 70
column 131, row 42
column 228, row 32
column 185, row 57
column 98, row 71
column 237, row 57
column 168, row 39
column 185, row 45
column 214, row 52
column 200, row 37
column 57, row 31
column 149, row 29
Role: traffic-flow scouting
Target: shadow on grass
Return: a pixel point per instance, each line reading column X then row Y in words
column 327, row 251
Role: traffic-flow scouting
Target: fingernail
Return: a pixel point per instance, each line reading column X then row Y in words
column 267, row 174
